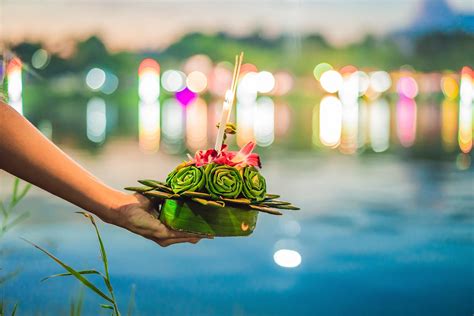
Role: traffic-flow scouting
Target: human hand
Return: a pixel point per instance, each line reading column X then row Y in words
column 136, row 214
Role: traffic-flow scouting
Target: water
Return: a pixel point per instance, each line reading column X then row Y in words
column 377, row 235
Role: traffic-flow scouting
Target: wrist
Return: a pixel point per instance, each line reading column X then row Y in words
column 111, row 204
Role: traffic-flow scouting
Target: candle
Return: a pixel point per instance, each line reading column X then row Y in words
column 226, row 109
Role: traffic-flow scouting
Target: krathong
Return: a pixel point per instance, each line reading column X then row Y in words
column 216, row 192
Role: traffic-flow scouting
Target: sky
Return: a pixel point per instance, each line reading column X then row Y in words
column 148, row 24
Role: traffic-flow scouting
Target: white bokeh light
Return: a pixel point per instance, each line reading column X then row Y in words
column 149, row 86
column 95, row 78
column 330, row 121
column 265, row 82
column 196, row 81
column 380, row 81
column 173, row 80
column 287, row 258
column 331, row 81
column 96, row 120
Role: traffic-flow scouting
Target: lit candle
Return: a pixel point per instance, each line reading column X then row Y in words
column 226, row 109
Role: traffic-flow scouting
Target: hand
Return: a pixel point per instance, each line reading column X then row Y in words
column 136, row 214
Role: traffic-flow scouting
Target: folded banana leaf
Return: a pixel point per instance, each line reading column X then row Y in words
column 189, row 216
column 203, row 213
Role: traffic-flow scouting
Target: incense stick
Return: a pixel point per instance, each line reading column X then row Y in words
column 228, row 101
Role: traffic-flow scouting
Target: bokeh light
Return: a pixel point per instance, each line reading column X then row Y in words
column 247, row 89
column 283, row 83
column 15, row 84
column 196, row 125
column 95, row 78
column 465, row 110
column 349, row 89
column 265, row 81
column 201, row 63
column 363, row 81
column 173, row 129
column 449, row 124
column 245, row 122
column 173, row 80
column 111, row 83
column 264, row 123
column 379, row 125
column 450, row 87
column 330, row 121
column 320, row 69
column 40, row 59
column 96, row 120
column 220, row 79
column 407, row 87
column 406, row 121
column 287, row 258
column 185, row 96
column 149, row 126
column 349, row 128
column 149, row 80
column 331, row 81
column 380, row 81
column 196, row 81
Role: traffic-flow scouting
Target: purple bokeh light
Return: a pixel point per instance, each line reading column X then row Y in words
column 185, row 96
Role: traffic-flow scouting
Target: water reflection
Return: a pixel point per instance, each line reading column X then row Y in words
column 196, row 125
column 449, row 124
column 287, row 258
column 406, row 121
column 264, row 122
column 173, row 126
column 96, row 120
column 149, row 126
column 330, row 121
column 379, row 125
column 466, row 104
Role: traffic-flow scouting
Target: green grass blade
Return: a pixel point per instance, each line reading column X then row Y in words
column 80, row 302
column 3, row 209
column 104, row 260
column 16, row 183
column 23, row 192
column 106, row 306
column 17, row 220
column 14, row 309
column 76, row 304
column 75, row 273
column 101, row 244
column 69, row 274
column 131, row 302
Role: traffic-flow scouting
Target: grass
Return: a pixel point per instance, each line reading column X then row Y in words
column 10, row 218
column 3, row 309
column 109, row 296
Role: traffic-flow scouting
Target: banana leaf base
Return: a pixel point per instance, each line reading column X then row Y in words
column 208, row 220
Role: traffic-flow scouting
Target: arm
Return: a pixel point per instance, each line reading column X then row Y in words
column 27, row 154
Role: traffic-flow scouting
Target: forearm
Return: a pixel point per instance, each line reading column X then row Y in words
column 27, row 154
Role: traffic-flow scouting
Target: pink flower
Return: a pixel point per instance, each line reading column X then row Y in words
column 245, row 157
column 202, row 157
column 242, row 158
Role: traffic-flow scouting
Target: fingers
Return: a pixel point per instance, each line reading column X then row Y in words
column 168, row 242
column 177, row 234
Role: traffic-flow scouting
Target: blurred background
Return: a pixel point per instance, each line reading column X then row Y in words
column 364, row 108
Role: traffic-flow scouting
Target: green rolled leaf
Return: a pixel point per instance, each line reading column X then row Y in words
column 188, row 178
column 254, row 187
column 222, row 180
